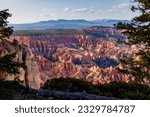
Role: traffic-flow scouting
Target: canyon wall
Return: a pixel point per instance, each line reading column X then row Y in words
column 91, row 55
column 29, row 76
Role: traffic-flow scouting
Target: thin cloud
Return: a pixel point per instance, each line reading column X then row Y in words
column 117, row 7
column 67, row 9
column 120, row 6
column 92, row 11
column 80, row 10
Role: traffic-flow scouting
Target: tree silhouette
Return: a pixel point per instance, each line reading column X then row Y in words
column 6, row 62
column 138, row 33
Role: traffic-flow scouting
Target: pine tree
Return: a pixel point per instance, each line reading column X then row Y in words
column 6, row 62
column 5, row 31
column 138, row 33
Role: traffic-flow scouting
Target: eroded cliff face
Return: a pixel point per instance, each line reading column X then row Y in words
column 29, row 76
column 76, row 56
column 91, row 56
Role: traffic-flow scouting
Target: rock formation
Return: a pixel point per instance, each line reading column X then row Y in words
column 29, row 75
column 92, row 56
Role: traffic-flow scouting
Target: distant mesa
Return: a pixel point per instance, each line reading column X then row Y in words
column 66, row 24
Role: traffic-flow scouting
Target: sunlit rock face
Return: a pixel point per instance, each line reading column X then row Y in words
column 23, row 54
column 92, row 56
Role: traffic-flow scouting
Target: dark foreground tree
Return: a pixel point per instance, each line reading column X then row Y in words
column 138, row 34
column 6, row 62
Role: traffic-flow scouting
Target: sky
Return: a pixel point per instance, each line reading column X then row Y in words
column 28, row 11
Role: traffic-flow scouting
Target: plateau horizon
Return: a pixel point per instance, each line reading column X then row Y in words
column 67, row 24
column 28, row 11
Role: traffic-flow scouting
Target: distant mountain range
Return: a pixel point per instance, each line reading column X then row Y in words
column 66, row 24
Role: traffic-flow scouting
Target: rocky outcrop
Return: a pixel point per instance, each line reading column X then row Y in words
column 30, row 75
column 77, row 56
column 91, row 55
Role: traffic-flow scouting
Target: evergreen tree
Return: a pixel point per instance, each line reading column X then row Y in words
column 5, row 31
column 6, row 62
column 138, row 33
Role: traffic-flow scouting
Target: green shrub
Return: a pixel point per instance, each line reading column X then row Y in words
column 123, row 90
column 119, row 90
column 70, row 85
